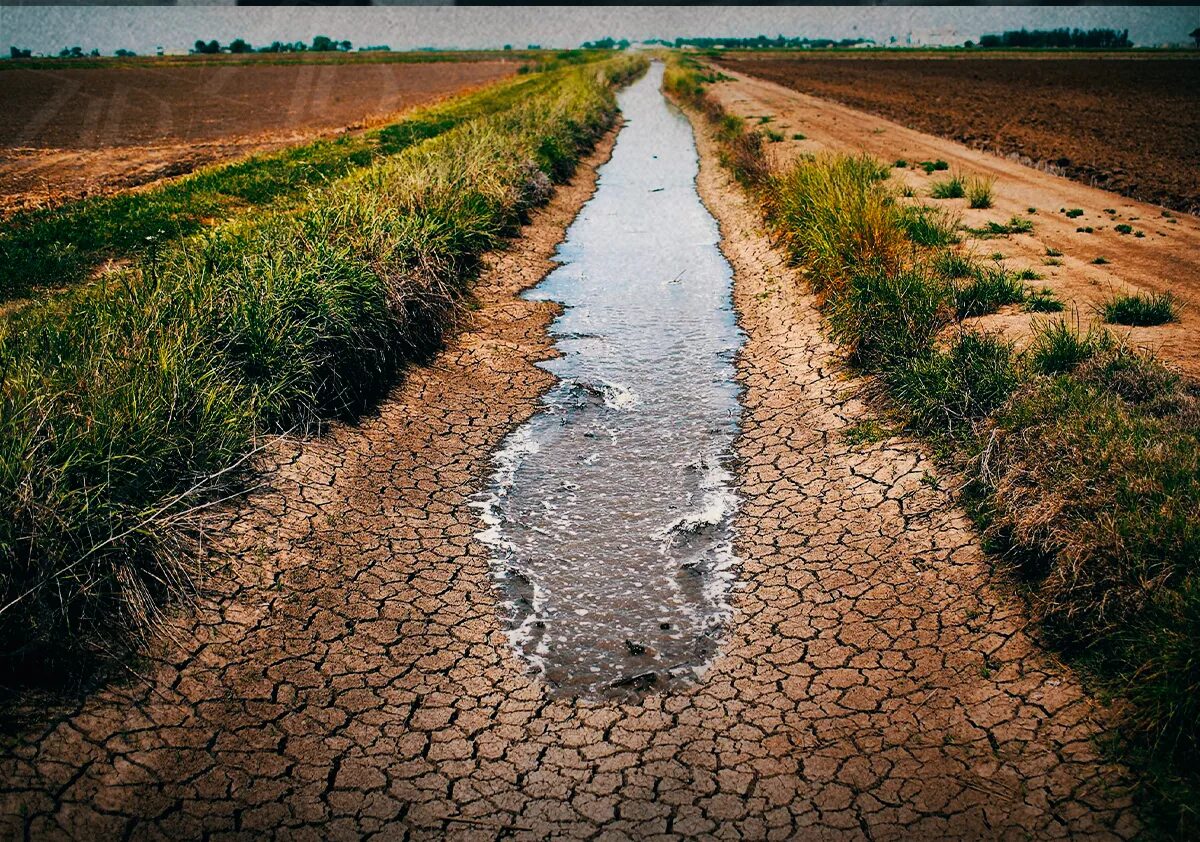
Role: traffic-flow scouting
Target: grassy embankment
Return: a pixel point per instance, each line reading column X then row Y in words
column 56, row 247
column 1083, row 454
column 128, row 406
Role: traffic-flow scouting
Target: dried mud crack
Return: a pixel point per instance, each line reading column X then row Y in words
column 350, row 677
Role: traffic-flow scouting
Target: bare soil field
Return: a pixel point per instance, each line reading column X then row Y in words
column 103, row 129
column 1065, row 251
column 1124, row 124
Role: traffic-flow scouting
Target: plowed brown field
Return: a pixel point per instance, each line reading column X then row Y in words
column 1123, row 124
column 98, row 129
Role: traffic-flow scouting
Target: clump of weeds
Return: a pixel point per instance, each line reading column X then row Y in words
column 979, row 192
column 1043, row 301
column 927, row 226
column 988, row 291
column 1015, row 225
column 950, row 188
column 1141, row 309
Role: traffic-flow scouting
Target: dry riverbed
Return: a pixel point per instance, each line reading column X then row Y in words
column 349, row 673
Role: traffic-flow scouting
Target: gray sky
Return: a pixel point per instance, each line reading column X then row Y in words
column 48, row 29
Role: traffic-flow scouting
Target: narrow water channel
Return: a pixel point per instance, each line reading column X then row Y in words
column 608, row 515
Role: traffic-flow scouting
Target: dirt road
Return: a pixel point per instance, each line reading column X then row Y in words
column 1165, row 259
column 95, row 130
column 350, row 676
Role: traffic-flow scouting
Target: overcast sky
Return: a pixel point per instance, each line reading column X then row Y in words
column 48, row 29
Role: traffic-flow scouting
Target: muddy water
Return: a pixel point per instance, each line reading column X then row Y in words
column 609, row 511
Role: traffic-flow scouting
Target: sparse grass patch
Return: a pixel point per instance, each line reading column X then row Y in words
column 987, row 291
column 1058, row 348
column 948, row 392
column 1100, row 260
column 931, row 167
column 930, row 227
column 1043, row 301
column 949, row 188
column 1073, row 213
column 1123, row 228
column 884, row 317
column 773, row 136
column 951, row 264
column 1141, row 309
column 836, row 216
column 979, row 192
column 1015, row 225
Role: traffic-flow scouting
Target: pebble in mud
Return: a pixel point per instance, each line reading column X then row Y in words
column 849, row 699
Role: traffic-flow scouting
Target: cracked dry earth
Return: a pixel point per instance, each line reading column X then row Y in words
column 350, row 677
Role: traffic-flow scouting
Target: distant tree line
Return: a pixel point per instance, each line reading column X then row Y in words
column 762, row 42
column 320, row 44
column 1101, row 39
column 606, row 44
column 69, row 52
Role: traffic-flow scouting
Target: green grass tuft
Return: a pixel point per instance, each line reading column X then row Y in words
column 930, row 227
column 1043, row 301
column 1141, row 309
column 1015, row 225
column 950, row 188
column 979, row 192
column 948, row 392
column 987, row 291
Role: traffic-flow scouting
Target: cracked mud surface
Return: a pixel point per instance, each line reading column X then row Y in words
column 350, row 677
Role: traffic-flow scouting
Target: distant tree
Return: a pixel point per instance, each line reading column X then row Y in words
column 1095, row 39
column 323, row 44
column 125, row 53
column 508, row 47
column 71, row 52
column 94, row 53
column 210, row 48
column 239, row 45
column 17, row 52
column 1195, row 35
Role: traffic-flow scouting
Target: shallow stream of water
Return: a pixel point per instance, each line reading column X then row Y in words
column 608, row 515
